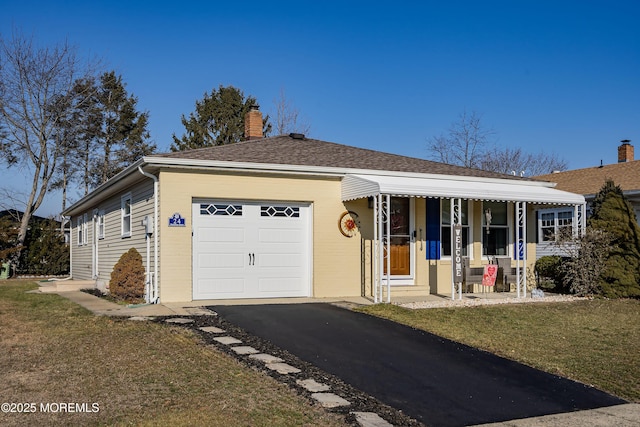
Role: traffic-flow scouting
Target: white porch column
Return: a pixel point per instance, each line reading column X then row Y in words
column 375, row 280
column 382, row 254
column 521, row 248
column 387, row 241
column 456, row 220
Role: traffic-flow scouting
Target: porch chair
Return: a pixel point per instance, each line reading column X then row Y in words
column 472, row 276
column 509, row 274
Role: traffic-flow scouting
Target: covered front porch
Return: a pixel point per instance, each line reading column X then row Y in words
column 436, row 235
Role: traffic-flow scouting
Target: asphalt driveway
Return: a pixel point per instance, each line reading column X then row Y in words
column 434, row 380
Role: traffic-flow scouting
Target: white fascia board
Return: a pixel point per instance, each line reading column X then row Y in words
column 104, row 190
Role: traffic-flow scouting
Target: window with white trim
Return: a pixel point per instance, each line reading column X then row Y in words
column 85, row 229
column 554, row 222
column 80, row 226
column 125, row 215
column 495, row 228
column 445, row 221
column 100, row 225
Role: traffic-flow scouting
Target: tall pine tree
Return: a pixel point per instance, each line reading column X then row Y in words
column 123, row 137
column 217, row 120
column 613, row 214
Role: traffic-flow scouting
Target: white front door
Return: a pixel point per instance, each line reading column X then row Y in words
column 401, row 241
column 250, row 250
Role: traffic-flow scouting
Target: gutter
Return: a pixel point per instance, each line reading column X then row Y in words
column 153, row 297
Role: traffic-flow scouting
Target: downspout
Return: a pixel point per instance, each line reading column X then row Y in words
column 154, row 294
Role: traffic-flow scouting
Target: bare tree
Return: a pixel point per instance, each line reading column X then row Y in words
column 587, row 260
column 466, row 144
column 516, row 161
column 470, row 144
column 32, row 82
column 288, row 117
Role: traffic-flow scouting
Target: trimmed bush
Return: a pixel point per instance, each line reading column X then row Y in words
column 549, row 274
column 127, row 278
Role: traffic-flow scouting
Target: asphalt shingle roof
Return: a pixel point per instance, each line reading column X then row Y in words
column 590, row 180
column 287, row 150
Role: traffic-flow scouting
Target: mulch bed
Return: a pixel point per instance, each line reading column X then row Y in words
column 360, row 401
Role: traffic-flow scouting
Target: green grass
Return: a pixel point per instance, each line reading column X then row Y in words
column 595, row 342
column 140, row 373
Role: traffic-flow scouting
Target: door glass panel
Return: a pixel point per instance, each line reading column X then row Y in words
column 400, row 238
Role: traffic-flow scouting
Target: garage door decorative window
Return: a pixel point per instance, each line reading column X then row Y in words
column 220, row 209
column 280, row 211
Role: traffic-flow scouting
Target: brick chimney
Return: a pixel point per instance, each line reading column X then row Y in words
column 253, row 123
column 625, row 151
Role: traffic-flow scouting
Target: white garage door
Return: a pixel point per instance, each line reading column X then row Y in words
column 250, row 250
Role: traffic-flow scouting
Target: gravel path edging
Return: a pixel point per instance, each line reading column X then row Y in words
column 360, row 402
column 480, row 301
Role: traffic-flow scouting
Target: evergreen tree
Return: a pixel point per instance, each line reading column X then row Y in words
column 76, row 133
column 8, row 238
column 217, row 120
column 123, row 137
column 612, row 213
column 101, row 134
column 46, row 252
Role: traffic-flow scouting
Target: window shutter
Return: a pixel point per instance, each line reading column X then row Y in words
column 433, row 229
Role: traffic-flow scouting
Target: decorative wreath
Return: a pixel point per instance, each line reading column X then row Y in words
column 348, row 223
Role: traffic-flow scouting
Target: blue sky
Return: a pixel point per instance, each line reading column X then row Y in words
column 555, row 76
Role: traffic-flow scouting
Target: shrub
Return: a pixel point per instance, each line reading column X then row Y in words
column 45, row 251
column 127, row 278
column 583, row 272
column 549, row 274
column 614, row 215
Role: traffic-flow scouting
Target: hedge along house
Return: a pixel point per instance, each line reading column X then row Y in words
column 289, row 216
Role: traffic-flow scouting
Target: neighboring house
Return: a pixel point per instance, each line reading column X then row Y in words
column 289, row 216
column 588, row 182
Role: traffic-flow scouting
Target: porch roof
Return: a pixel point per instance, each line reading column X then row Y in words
column 356, row 186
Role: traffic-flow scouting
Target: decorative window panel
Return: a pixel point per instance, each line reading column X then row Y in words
column 220, row 209
column 280, row 211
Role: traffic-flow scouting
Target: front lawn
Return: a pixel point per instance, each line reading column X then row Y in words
column 121, row 372
column 595, row 342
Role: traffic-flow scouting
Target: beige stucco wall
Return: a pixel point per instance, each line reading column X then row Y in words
column 335, row 265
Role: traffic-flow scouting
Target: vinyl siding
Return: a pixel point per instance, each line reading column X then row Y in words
column 81, row 254
column 113, row 245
